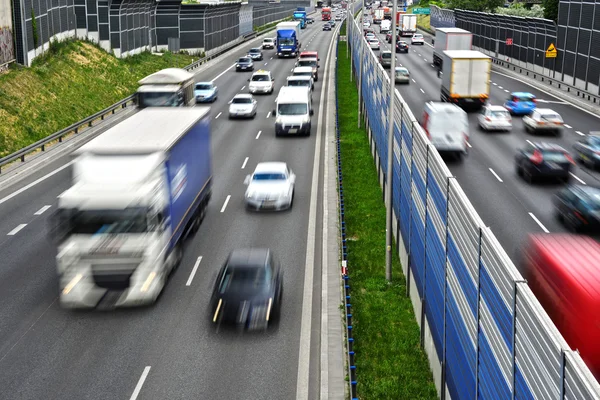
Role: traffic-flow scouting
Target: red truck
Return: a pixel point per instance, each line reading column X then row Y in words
column 563, row 271
column 326, row 14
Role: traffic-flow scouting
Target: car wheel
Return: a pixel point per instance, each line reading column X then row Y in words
column 519, row 171
column 292, row 200
column 589, row 163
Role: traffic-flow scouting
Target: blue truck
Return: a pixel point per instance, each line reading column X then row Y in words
column 300, row 15
column 138, row 191
column 288, row 39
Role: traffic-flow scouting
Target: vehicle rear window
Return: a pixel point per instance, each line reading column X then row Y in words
column 386, row 55
column 306, row 63
column 298, row 82
column 245, row 279
column 500, row 114
column 551, row 117
column 554, row 156
column 267, row 176
column 522, row 98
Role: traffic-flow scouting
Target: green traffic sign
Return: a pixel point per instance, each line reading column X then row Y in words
column 425, row 11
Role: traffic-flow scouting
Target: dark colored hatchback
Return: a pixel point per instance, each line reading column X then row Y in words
column 401, row 47
column 244, row 64
column 543, row 160
column 578, row 208
column 587, row 150
column 248, row 290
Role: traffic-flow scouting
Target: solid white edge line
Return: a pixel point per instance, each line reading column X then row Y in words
column 218, row 115
column 258, row 134
column 244, row 164
column 302, row 382
column 539, row 222
column 225, row 204
column 495, row 174
column 578, row 178
column 16, row 230
column 32, row 184
column 221, row 74
column 140, row 383
column 191, row 278
column 42, row 210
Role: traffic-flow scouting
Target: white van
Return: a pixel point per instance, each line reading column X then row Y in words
column 293, row 111
column 304, row 71
column 385, row 26
column 447, row 127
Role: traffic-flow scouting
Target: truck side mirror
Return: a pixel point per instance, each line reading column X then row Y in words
column 247, row 179
column 318, row 59
column 248, row 80
column 274, row 112
column 312, row 112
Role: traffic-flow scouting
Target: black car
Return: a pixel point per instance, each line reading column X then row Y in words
column 310, row 20
column 244, row 64
column 544, row 160
column 578, row 207
column 401, row 47
column 255, row 54
column 587, row 150
column 248, row 290
column 326, row 27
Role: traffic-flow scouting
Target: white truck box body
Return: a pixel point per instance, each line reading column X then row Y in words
column 466, row 73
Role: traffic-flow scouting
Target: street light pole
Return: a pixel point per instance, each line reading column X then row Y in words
column 360, row 52
column 390, row 153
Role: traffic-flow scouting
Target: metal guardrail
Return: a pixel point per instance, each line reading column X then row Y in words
column 74, row 128
column 100, row 115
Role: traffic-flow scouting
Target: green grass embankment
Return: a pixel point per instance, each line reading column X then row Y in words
column 390, row 362
column 70, row 82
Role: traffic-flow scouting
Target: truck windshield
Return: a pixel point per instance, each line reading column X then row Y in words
column 160, row 99
column 93, row 222
column 293, row 109
column 299, row 82
column 286, row 41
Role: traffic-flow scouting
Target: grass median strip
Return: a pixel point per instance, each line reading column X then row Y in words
column 390, row 362
column 72, row 81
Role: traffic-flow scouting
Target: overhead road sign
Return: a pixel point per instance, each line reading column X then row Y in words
column 551, row 51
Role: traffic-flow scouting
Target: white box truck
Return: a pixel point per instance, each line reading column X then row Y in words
column 450, row 39
column 466, row 78
column 408, row 24
column 170, row 87
column 138, row 190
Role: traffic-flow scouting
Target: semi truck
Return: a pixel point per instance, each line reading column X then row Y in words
column 300, row 16
column 326, row 14
column 378, row 16
column 288, row 39
column 466, row 78
column 138, row 190
column 171, row 87
column 319, row 4
column 407, row 25
column 450, row 39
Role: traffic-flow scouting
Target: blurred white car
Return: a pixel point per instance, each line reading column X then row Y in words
column 271, row 186
column 374, row 44
column 366, row 24
column 543, row 120
column 243, row 105
column 370, row 35
column 402, row 75
column 417, row 38
column 495, row 118
column 261, row 82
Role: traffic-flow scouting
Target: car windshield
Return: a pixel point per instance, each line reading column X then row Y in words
column 401, row 71
column 254, row 51
column 293, row 109
column 95, row 222
column 309, row 73
column 204, row 86
column 268, row 41
column 269, row 176
column 247, row 279
column 299, row 82
column 242, row 100
column 260, row 78
column 244, row 60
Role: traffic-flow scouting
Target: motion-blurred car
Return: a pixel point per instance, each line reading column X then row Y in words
column 261, row 82
column 304, row 71
column 520, row 103
column 312, row 63
column 369, row 30
column 587, row 150
column 310, row 20
column 494, row 118
column 402, row 47
column 243, row 106
column 271, row 186
column 332, row 23
column 402, row 75
column 255, row 54
column 385, row 59
column 366, row 24
column 543, row 160
column 248, row 290
column 301, row 81
column 374, row 44
column 578, row 207
column 205, row 92
column 417, row 38
column 309, row 54
column 326, row 27
column 338, row 17
column 543, row 120
column 268, row 43
column 244, row 64
column 388, row 37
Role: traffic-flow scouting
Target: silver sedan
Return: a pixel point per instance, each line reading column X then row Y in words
column 271, row 186
column 243, row 106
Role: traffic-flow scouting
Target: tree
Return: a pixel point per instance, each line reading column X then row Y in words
column 475, row 5
column 550, row 9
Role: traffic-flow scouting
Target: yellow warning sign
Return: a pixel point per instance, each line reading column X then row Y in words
column 551, row 51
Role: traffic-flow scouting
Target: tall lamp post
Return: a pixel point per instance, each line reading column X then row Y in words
column 360, row 53
column 390, row 153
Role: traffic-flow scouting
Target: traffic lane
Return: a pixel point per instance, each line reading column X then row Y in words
column 67, row 364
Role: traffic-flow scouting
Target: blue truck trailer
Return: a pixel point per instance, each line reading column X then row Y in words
column 138, row 191
column 288, row 39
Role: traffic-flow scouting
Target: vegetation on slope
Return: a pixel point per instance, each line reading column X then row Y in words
column 70, row 82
